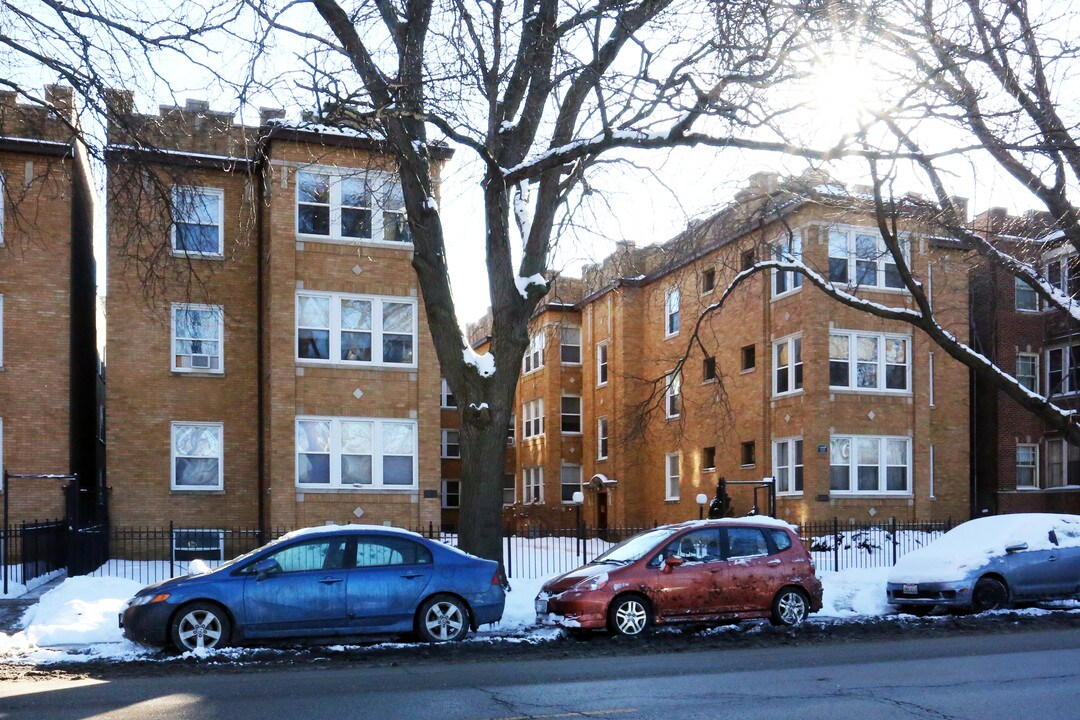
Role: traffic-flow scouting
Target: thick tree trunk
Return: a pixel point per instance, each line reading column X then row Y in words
column 483, row 454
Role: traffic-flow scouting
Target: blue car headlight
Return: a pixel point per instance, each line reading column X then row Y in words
column 147, row 599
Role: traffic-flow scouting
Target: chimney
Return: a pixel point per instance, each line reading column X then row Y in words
column 196, row 106
column 62, row 99
column 961, row 204
column 268, row 114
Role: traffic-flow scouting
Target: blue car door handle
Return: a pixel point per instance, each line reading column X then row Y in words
column 330, row 581
column 411, row 576
column 1052, row 558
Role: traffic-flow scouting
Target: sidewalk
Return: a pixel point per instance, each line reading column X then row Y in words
column 12, row 609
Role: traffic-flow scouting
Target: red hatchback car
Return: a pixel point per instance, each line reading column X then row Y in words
column 707, row 571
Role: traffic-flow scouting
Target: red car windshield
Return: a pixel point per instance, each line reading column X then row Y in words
column 635, row 548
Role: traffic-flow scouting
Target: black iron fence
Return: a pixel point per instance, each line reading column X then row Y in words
column 31, row 550
column 150, row 554
column 843, row 546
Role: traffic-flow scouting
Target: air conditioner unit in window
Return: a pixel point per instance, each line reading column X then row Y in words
column 201, row 362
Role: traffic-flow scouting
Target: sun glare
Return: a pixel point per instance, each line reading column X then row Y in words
column 843, row 90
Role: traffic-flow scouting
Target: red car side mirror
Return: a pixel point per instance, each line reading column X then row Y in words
column 672, row 561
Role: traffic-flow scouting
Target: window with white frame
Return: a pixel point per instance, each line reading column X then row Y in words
column 870, row 464
column 446, row 396
column 345, row 452
column 508, row 489
column 198, row 221
column 338, row 328
column 1063, row 272
column 672, row 393
column 571, row 415
column 788, row 466
column 451, row 443
column 672, row 470
column 511, row 430
column 601, row 438
column 533, row 485
column 1063, row 370
column 570, row 482
column 1, row 438
column 532, row 416
column 1027, row 300
column 197, row 338
column 601, row 364
column 1027, row 466
column 858, row 256
column 343, row 205
column 671, row 312
column 1062, row 463
column 197, row 456
column 534, row 355
column 787, row 365
column 788, row 249
column 570, row 345
column 1027, row 371
column 869, row 361
column 1, row 313
column 451, row 494
column 3, row 193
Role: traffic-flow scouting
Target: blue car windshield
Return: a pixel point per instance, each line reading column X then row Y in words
column 636, row 547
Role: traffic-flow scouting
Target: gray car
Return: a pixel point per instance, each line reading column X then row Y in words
column 991, row 562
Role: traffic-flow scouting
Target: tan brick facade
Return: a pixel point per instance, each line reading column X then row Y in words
column 265, row 385
column 625, row 312
column 47, row 343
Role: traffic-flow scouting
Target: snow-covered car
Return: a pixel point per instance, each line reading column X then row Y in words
column 991, row 562
column 320, row 582
column 706, row 571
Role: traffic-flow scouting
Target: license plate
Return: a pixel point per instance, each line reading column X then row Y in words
column 911, row 589
column 541, row 605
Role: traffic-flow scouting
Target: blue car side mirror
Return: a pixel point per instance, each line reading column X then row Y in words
column 267, row 567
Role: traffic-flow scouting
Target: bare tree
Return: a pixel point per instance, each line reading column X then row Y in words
column 539, row 92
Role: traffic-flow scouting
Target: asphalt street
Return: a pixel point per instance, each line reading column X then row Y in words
column 977, row 676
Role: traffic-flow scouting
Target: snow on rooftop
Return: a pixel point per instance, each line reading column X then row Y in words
column 324, row 129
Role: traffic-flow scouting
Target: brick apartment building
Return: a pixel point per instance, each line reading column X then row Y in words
column 277, row 372
column 48, row 350
column 858, row 418
column 1020, row 464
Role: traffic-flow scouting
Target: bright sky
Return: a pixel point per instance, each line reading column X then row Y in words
column 647, row 203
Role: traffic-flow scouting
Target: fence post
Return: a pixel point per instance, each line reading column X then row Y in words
column 431, row 530
column 509, row 553
column 836, row 544
column 895, row 540
column 172, row 550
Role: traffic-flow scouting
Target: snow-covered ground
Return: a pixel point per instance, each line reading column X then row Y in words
column 77, row 620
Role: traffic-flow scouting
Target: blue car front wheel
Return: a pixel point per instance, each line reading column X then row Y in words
column 200, row 625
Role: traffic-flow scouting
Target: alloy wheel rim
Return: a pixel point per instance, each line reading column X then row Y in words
column 444, row 621
column 630, row 618
column 792, row 608
column 200, row 629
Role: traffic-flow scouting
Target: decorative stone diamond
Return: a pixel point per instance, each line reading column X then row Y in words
column 871, row 415
column 357, row 269
column 358, row 393
column 872, row 512
column 358, row 512
column 787, row 418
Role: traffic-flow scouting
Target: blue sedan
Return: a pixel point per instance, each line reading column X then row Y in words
column 325, row 581
column 991, row 562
